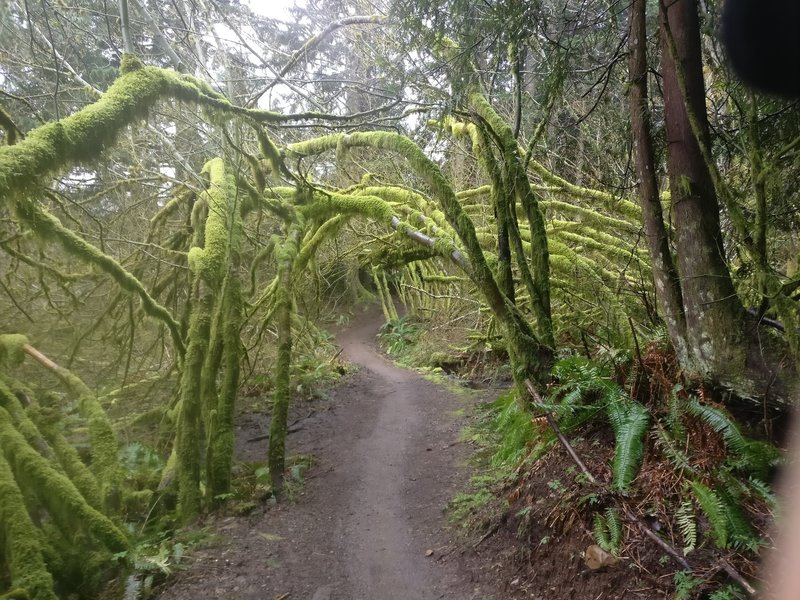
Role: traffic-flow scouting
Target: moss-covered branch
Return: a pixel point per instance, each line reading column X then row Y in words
column 22, row 541
column 520, row 186
column 56, row 493
column 104, row 446
column 528, row 355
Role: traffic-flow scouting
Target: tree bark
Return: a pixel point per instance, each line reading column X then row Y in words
column 714, row 314
column 667, row 284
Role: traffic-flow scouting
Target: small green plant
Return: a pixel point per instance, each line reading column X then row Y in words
column 729, row 592
column 398, row 335
column 685, row 585
column 464, row 505
column 154, row 557
column 629, row 420
column 297, row 465
column 687, row 524
column 608, row 531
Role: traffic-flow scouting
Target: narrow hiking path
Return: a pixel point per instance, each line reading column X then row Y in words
column 387, row 459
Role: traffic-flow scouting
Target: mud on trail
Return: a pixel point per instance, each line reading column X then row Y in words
column 386, row 461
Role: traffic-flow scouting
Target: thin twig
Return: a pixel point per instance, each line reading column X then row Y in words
column 564, row 441
column 734, row 574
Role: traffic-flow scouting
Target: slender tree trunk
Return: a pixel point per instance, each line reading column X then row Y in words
column 667, row 285
column 125, row 26
column 714, row 314
column 285, row 254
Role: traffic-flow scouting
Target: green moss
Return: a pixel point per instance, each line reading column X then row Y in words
column 22, row 541
column 54, row 490
column 325, row 232
column 330, row 204
column 9, row 127
column 220, row 448
column 531, row 359
column 519, row 185
column 104, row 445
column 209, row 262
column 130, row 63
column 11, row 349
column 285, row 253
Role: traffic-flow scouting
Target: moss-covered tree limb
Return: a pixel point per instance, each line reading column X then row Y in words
column 12, row 132
column 517, row 178
column 22, row 541
column 528, row 355
column 103, row 440
column 54, row 490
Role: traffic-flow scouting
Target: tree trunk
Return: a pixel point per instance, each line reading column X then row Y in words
column 667, row 284
column 714, row 314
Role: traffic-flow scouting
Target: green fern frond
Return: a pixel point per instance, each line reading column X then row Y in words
column 629, row 421
column 719, row 422
column 758, row 458
column 601, row 532
column 687, row 524
column 514, row 429
column 729, row 592
column 608, row 531
column 715, row 511
column 670, row 448
column 764, row 491
column 685, row 584
column 676, row 408
column 741, row 534
column 753, row 456
column 614, row 524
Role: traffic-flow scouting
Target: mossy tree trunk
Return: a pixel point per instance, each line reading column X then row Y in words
column 204, row 354
column 286, row 253
column 22, row 541
column 517, row 183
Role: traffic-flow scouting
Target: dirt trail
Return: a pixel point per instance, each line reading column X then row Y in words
column 387, row 460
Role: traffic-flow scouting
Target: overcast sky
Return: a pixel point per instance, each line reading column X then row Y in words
column 277, row 9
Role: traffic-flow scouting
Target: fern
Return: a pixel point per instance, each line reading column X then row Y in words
column 729, row 592
column 721, row 423
column 687, row 524
column 629, row 420
column 714, row 510
column 753, row 456
column 741, row 534
column 763, row 491
column 685, row 584
column 674, row 454
column 608, row 531
column 675, row 410
column 513, row 427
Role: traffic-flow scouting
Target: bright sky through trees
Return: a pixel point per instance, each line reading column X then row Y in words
column 276, row 9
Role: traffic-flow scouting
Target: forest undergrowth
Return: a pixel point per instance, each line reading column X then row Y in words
column 673, row 497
